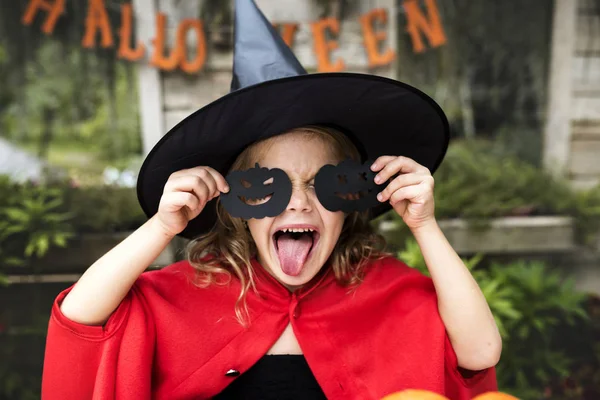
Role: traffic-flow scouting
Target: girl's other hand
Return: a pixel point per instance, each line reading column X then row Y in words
column 185, row 195
column 410, row 193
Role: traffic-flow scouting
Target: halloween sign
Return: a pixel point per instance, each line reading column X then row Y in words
column 262, row 192
column 422, row 16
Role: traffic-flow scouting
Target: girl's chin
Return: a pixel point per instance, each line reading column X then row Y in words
column 293, row 282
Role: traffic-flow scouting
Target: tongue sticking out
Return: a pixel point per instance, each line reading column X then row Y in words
column 293, row 251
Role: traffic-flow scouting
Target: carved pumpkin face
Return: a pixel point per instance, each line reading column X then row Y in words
column 257, row 193
column 348, row 186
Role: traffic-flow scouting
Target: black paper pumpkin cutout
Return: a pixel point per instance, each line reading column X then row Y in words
column 250, row 196
column 348, row 186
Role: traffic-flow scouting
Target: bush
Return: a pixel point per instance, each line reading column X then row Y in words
column 478, row 181
column 104, row 209
column 31, row 221
column 544, row 322
column 35, row 217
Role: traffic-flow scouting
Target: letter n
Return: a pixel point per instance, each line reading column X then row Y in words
column 417, row 22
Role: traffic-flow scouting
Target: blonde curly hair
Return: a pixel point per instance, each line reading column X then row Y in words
column 231, row 247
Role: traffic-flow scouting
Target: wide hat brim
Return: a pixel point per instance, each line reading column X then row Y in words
column 380, row 115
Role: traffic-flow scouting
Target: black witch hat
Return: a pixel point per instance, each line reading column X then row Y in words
column 271, row 93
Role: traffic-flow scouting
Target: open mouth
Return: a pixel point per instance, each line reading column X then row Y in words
column 294, row 246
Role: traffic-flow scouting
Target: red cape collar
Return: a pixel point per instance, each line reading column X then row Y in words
column 265, row 282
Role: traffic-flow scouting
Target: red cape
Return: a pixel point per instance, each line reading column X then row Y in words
column 172, row 340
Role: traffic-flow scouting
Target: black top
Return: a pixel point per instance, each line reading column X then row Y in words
column 277, row 377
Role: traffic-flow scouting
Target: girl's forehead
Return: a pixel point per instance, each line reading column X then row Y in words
column 296, row 154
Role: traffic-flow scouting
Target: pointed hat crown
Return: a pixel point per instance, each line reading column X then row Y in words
column 259, row 53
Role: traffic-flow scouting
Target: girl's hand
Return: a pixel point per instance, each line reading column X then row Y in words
column 185, row 195
column 410, row 193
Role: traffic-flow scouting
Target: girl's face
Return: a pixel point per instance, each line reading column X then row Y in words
column 294, row 246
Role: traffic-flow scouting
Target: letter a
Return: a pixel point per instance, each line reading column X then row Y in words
column 97, row 18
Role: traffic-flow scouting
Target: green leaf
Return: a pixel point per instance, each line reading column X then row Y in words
column 43, row 244
column 16, row 214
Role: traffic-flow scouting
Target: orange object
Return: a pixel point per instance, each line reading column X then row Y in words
column 167, row 63
column 430, row 26
column 495, row 396
column 288, row 31
column 323, row 46
column 178, row 54
column 54, row 8
column 426, row 395
column 412, row 394
column 372, row 38
column 196, row 64
column 125, row 50
column 97, row 18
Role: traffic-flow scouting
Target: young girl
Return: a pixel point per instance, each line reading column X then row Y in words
column 296, row 301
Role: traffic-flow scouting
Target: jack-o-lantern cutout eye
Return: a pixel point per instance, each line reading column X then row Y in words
column 257, row 193
column 348, row 186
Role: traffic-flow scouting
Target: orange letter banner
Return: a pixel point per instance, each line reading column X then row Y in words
column 323, row 47
column 178, row 54
column 97, row 18
column 54, row 8
column 288, row 30
column 372, row 38
column 125, row 50
column 196, row 64
column 158, row 58
column 432, row 28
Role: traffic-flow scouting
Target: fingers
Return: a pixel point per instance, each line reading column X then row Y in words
column 388, row 166
column 204, row 182
column 402, row 181
column 174, row 201
column 406, row 193
column 205, row 189
column 204, row 172
column 219, row 179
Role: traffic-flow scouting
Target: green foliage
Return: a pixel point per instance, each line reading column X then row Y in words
column 534, row 354
column 479, row 180
column 537, row 311
column 73, row 97
column 46, row 215
column 583, row 381
column 31, row 221
column 587, row 206
column 104, row 209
